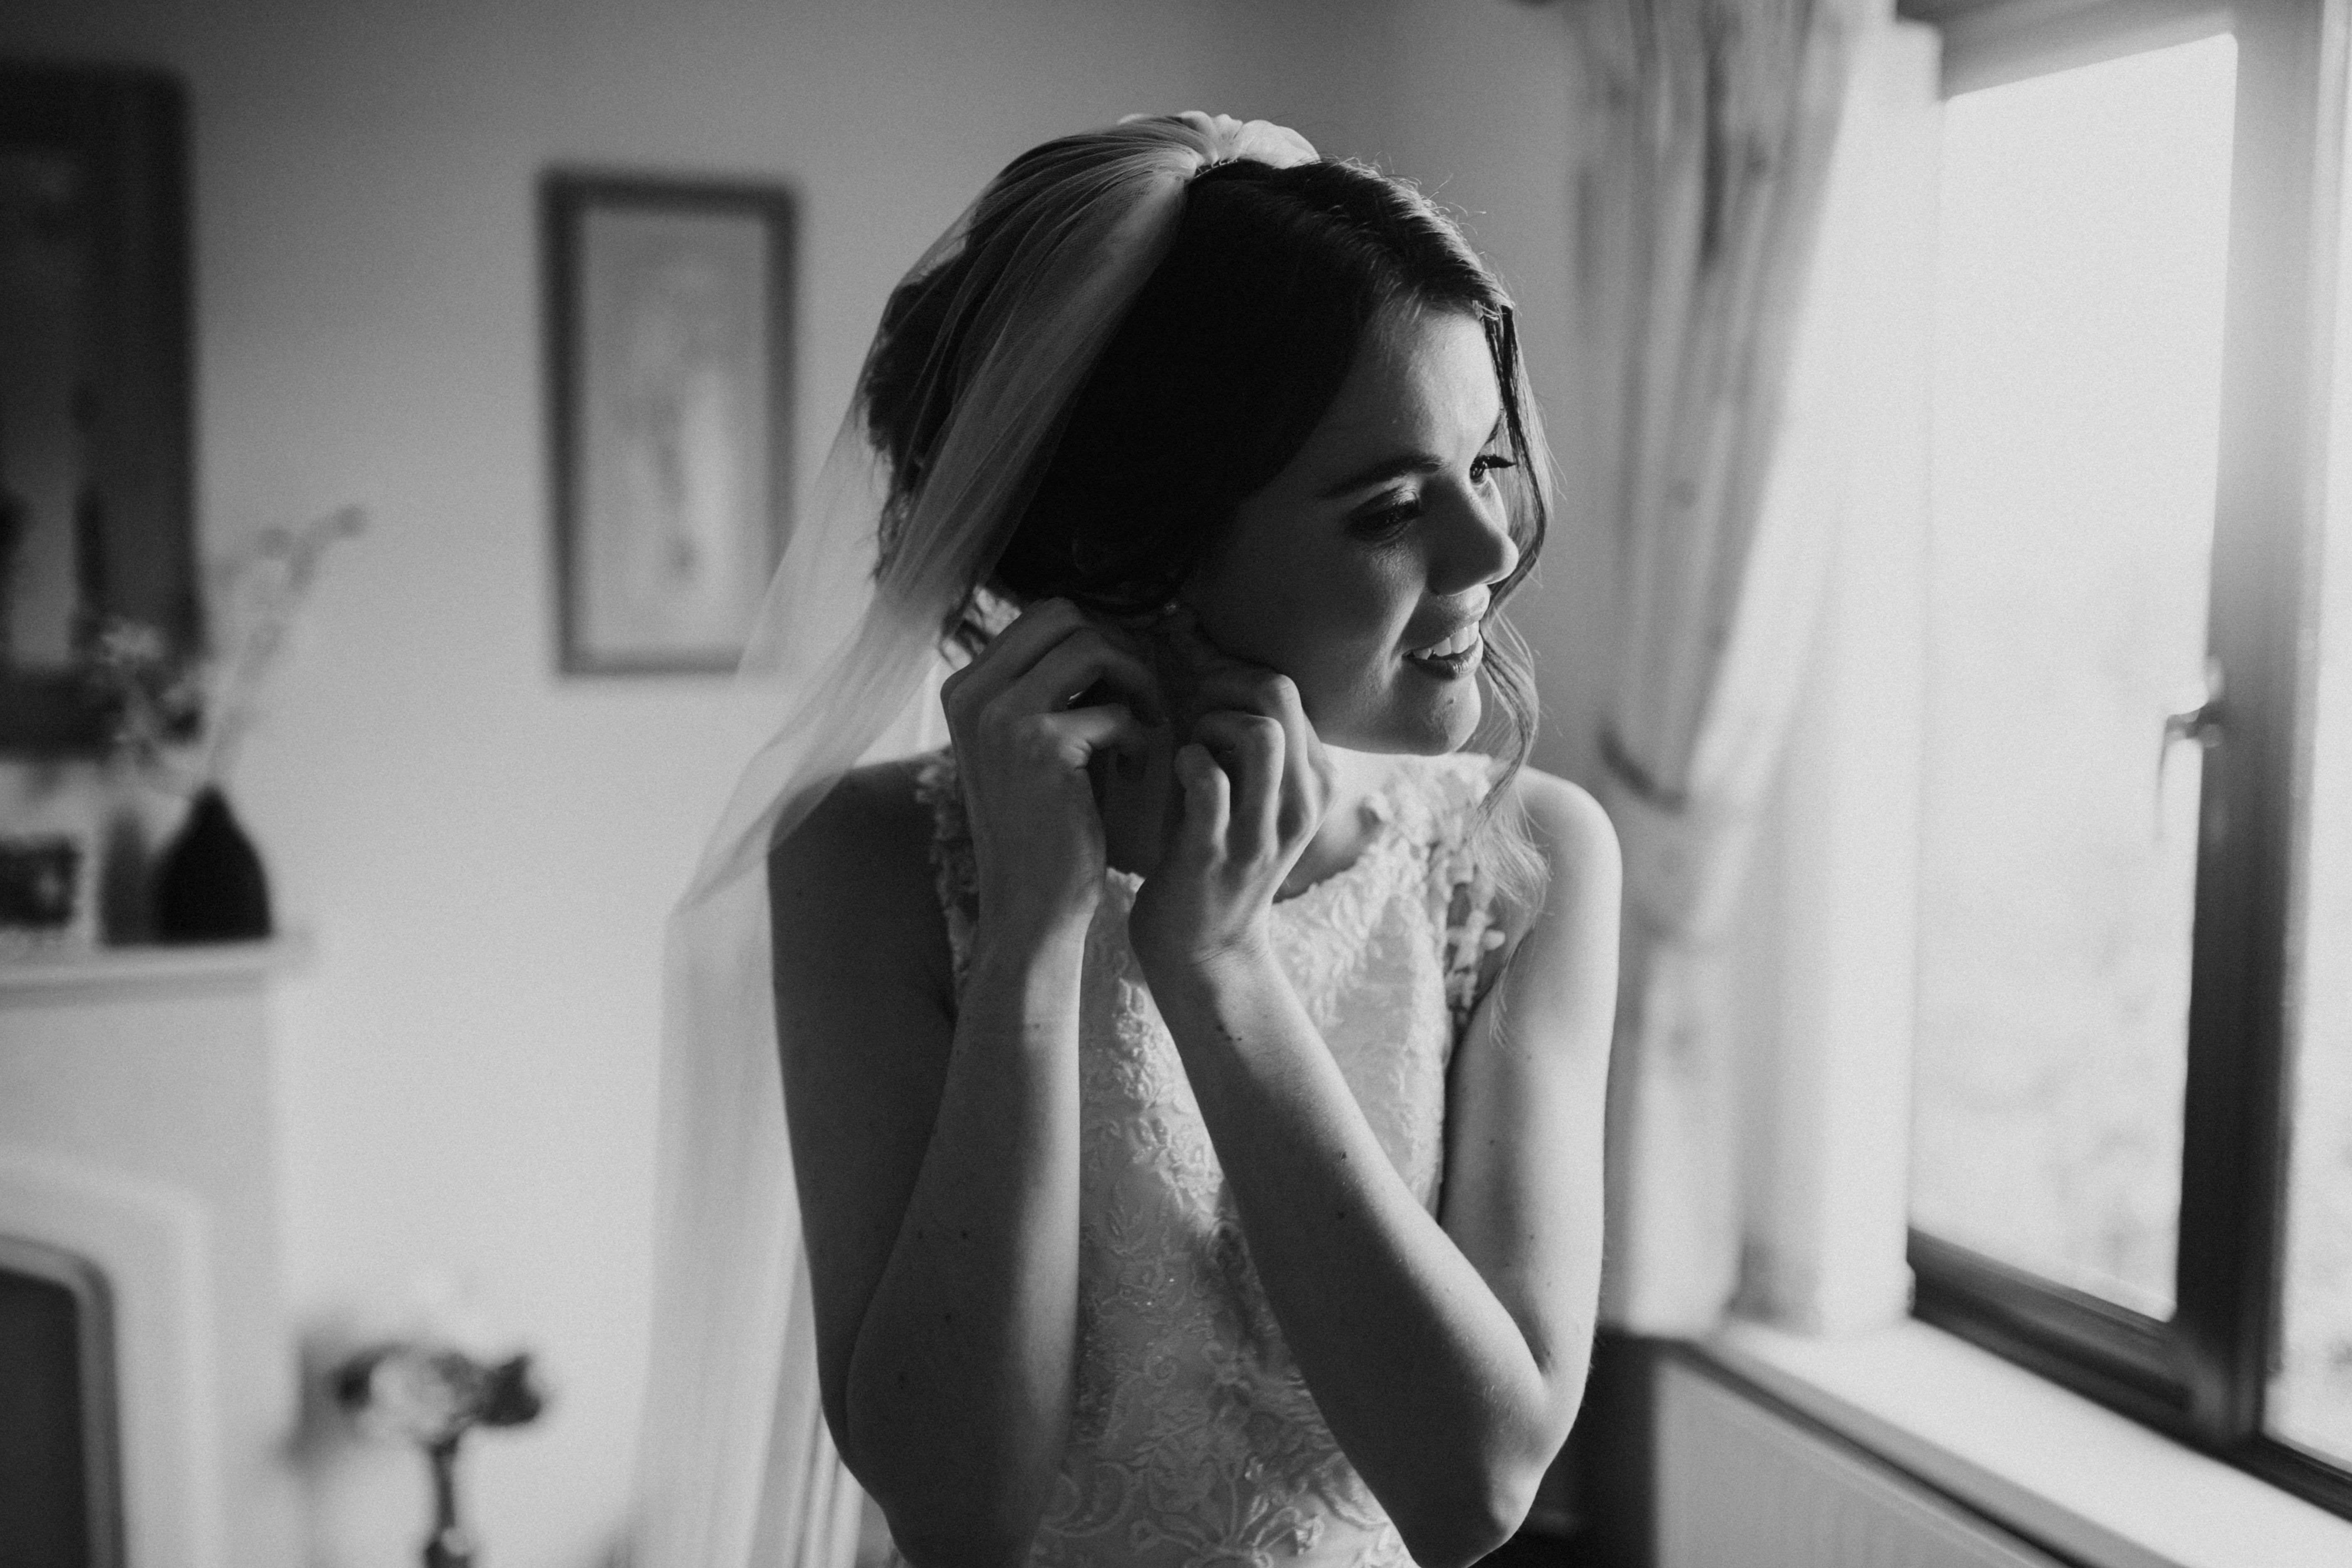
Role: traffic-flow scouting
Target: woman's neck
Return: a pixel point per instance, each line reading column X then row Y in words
column 1141, row 802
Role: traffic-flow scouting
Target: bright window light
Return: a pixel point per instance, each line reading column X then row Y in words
column 2076, row 382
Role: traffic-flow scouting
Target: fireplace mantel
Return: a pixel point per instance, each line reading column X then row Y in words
column 138, row 1129
column 104, row 969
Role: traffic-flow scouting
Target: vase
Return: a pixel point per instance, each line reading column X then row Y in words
column 209, row 885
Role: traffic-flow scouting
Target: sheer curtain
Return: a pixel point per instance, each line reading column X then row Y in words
column 1705, row 135
column 1828, row 922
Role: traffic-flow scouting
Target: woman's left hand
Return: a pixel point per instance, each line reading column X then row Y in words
column 1255, row 783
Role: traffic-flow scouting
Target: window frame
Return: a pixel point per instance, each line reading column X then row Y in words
column 2202, row 1376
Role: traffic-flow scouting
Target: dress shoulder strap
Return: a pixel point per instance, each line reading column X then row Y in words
column 955, row 873
column 1462, row 891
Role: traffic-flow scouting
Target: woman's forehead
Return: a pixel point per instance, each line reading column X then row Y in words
column 1417, row 375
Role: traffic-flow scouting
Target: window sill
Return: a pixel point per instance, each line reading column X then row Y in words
column 2051, row 1465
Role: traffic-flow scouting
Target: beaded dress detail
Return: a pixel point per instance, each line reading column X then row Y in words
column 1194, row 1440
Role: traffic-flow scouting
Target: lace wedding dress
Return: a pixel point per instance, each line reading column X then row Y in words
column 1194, row 1440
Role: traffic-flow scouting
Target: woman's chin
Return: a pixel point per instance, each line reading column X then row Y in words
column 1417, row 729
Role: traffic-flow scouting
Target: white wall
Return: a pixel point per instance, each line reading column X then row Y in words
column 484, row 853
column 1479, row 101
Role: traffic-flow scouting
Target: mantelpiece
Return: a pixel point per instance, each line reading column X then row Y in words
column 139, row 1130
column 99, row 970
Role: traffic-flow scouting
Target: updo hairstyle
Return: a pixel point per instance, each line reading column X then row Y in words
column 1228, row 358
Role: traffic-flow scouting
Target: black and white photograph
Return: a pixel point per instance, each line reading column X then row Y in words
column 1211, row 783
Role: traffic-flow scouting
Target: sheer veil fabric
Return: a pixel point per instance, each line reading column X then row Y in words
column 734, row 1464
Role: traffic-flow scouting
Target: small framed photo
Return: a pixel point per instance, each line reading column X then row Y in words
column 669, row 340
column 49, row 893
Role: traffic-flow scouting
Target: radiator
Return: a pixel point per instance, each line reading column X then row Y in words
column 1742, row 1486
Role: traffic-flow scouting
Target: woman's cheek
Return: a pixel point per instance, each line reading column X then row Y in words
column 1356, row 704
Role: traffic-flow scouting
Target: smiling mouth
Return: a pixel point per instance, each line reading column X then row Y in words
column 1451, row 658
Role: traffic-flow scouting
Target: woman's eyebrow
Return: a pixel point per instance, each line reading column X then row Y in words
column 1399, row 465
column 1389, row 467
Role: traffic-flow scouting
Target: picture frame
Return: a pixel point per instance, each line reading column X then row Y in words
column 48, row 891
column 671, row 332
column 97, row 389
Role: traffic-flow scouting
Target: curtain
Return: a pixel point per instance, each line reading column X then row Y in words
column 1706, row 129
column 1825, row 1125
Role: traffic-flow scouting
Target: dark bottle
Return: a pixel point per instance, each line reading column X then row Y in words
column 209, row 885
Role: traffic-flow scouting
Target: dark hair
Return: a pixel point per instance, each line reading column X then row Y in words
column 1228, row 358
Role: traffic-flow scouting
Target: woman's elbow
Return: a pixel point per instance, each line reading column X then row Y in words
column 982, row 1513
column 1453, row 1532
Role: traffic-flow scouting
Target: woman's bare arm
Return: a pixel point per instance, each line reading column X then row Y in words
column 936, row 1140
column 936, row 1153
column 1448, row 1357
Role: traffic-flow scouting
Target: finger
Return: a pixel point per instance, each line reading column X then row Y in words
column 1252, row 688
column 1249, row 748
column 1084, row 664
column 1208, row 804
column 1081, row 734
column 1011, row 653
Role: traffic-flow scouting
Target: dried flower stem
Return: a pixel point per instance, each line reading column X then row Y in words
column 262, row 585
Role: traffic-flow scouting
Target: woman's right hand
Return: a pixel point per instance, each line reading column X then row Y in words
column 1023, row 749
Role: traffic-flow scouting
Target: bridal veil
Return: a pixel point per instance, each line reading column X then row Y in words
column 735, row 1467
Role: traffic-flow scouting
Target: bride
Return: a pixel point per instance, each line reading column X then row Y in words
column 1194, row 1072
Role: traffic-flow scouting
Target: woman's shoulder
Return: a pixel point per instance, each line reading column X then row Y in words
column 859, row 868
column 1574, row 837
column 1542, row 839
column 881, row 811
column 1562, row 814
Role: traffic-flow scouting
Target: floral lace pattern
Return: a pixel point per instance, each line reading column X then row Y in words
column 1195, row 1440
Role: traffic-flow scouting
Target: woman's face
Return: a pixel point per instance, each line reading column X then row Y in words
column 1363, row 569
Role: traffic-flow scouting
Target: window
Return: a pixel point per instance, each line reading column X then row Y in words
column 2309, row 1400
column 2131, row 1162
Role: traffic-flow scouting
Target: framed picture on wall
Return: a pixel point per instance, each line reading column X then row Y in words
column 96, row 363
column 669, row 340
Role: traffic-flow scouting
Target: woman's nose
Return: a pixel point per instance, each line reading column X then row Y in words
column 1476, row 548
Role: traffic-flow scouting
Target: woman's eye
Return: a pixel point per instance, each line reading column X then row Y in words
column 1482, row 467
column 1387, row 522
